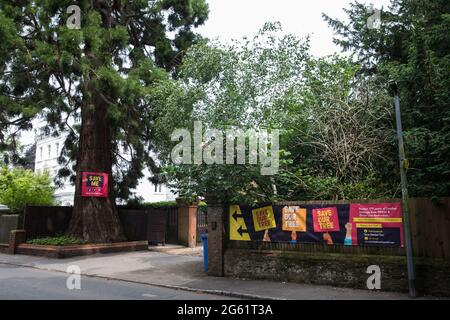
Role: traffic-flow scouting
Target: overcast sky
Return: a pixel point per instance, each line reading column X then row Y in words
column 233, row 19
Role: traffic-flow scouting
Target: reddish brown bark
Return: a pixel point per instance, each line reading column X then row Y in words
column 95, row 219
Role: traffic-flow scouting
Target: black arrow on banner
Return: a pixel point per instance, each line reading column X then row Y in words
column 240, row 231
column 236, row 215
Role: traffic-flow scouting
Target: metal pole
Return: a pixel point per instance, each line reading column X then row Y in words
column 406, row 225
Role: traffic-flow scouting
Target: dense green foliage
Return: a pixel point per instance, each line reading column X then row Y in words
column 138, row 203
column 336, row 119
column 20, row 187
column 333, row 128
column 122, row 56
column 160, row 204
column 56, row 241
column 337, row 130
column 411, row 47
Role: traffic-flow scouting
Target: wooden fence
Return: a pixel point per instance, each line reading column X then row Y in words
column 138, row 224
column 430, row 227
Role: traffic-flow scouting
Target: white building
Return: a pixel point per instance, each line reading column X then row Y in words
column 48, row 149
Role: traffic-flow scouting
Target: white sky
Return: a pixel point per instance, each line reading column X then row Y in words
column 233, row 19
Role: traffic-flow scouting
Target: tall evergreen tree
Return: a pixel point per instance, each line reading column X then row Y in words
column 412, row 46
column 109, row 75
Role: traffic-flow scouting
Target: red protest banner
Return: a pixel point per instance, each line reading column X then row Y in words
column 325, row 219
column 94, row 184
column 377, row 224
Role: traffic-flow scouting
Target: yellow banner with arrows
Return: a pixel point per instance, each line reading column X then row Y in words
column 238, row 228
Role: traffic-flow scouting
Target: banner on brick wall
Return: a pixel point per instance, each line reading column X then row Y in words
column 94, row 184
column 349, row 224
column 376, row 224
column 325, row 219
column 238, row 228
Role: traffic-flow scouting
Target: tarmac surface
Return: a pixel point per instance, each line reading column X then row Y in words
column 182, row 270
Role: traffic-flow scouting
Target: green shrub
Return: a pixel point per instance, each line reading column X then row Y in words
column 134, row 203
column 56, row 241
column 20, row 187
column 160, row 204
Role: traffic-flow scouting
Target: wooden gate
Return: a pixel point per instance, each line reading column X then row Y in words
column 202, row 223
column 156, row 226
column 172, row 225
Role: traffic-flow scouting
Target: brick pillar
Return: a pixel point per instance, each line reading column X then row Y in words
column 187, row 223
column 16, row 237
column 216, row 236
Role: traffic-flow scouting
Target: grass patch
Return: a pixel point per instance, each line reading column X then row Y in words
column 56, row 241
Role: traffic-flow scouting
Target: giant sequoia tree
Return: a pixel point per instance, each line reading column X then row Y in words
column 107, row 78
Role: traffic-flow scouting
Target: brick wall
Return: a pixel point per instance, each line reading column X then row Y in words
column 338, row 266
column 8, row 222
column 345, row 270
column 187, row 224
column 216, row 237
column 16, row 237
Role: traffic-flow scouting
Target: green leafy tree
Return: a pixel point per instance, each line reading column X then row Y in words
column 239, row 86
column 108, row 77
column 412, row 46
column 333, row 128
column 20, row 188
column 338, row 133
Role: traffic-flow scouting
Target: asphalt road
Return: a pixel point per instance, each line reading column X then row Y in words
column 32, row 284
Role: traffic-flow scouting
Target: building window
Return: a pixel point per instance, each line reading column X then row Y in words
column 49, row 151
column 157, row 188
column 57, row 149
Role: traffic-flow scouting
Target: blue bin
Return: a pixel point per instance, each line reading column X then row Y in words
column 204, row 237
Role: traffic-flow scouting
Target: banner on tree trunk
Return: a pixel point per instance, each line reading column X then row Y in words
column 94, row 184
column 348, row 224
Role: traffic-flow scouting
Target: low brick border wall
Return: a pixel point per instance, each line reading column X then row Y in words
column 8, row 222
column 62, row 252
column 4, row 248
column 342, row 270
column 16, row 237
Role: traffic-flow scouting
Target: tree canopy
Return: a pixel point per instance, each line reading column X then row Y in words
column 412, row 47
column 21, row 187
column 333, row 128
column 102, row 83
column 124, row 52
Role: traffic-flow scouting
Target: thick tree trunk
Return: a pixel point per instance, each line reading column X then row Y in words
column 95, row 219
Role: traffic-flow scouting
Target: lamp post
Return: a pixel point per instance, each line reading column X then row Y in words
column 403, row 166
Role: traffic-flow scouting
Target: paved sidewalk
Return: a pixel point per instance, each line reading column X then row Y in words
column 178, row 250
column 185, row 272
